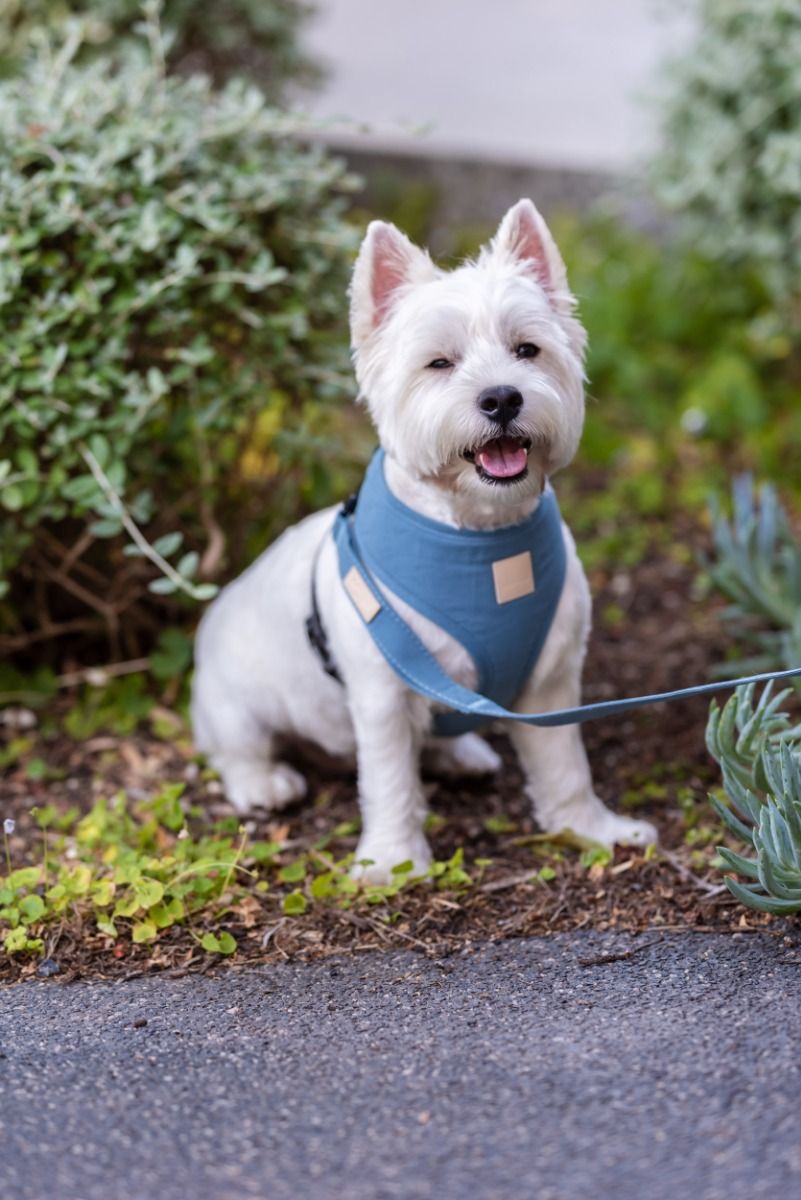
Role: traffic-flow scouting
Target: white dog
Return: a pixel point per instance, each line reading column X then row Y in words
column 427, row 344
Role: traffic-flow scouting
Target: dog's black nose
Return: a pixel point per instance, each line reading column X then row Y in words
column 501, row 404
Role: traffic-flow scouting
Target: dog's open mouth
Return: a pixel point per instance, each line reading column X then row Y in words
column 501, row 460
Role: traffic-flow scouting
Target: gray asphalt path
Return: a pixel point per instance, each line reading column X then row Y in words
column 522, row 1070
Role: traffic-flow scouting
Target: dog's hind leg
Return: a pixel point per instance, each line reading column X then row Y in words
column 257, row 782
column 242, row 751
column 465, row 755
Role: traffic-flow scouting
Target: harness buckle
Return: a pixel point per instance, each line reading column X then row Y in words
column 319, row 641
column 348, row 507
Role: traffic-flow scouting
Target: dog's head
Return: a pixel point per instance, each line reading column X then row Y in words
column 473, row 377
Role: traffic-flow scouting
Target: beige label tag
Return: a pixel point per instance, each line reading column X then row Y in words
column 361, row 595
column 513, row 577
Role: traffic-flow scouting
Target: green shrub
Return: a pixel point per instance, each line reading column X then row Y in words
column 731, row 158
column 220, row 37
column 684, row 351
column 173, row 265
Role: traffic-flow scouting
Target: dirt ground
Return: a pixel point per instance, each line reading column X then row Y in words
column 651, row 634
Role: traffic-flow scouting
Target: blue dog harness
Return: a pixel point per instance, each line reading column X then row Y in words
column 495, row 591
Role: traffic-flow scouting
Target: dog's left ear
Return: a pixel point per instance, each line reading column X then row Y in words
column 387, row 262
column 524, row 238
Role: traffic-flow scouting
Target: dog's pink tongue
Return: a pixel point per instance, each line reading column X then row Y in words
column 502, row 457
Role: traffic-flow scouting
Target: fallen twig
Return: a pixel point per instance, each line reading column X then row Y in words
column 711, row 889
column 508, row 881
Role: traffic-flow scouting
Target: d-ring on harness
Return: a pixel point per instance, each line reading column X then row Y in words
column 478, row 586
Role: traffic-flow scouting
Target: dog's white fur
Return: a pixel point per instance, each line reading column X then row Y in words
column 257, row 679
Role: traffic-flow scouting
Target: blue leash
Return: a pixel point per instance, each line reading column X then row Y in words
column 418, row 668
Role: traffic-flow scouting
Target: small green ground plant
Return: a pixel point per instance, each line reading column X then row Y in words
column 130, row 869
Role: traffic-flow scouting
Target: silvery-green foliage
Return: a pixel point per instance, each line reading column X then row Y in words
column 730, row 159
column 759, row 752
column 221, row 37
column 757, row 566
column 173, row 263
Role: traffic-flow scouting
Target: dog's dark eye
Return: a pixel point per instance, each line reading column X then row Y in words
column 440, row 364
column 527, row 350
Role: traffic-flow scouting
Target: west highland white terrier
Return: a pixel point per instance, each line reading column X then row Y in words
column 474, row 381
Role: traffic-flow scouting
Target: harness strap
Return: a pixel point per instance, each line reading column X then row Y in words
column 418, row 668
column 315, row 629
column 316, row 632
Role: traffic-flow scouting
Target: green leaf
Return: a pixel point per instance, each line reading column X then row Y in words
column 227, row 943
column 144, row 931
column 173, row 654
column 187, row 565
column 32, row 908
column 162, row 586
column 168, row 544
column 293, row 872
column 100, row 448
column 16, row 941
column 108, row 527
column 323, row 885
column 743, row 866
column 500, row 825
column 24, row 877
column 102, row 892
column 164, row 915
column 759, row 901
column 36, row 768
column 263, row 852
column 295, row 904
column 127, row 906
column 148, row 892
column 204, row 591
column 12, row 497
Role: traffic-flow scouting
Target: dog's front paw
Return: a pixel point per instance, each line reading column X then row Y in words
column 624, row 831
column 594, row 821
column 374, row 860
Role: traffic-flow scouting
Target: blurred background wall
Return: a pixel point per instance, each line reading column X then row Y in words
column 480, row 103
column 557, row 82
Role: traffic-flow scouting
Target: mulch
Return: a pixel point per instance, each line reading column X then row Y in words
column 652, row 633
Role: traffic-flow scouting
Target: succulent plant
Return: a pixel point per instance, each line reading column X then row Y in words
column 759, row 751
column 757, row 566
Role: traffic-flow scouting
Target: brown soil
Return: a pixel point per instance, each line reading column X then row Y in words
column 650, row 635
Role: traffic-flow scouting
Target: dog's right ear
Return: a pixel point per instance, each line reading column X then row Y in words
column 386, row 263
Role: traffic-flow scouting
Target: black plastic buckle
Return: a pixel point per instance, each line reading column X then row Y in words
column 349, row 505
column 317, row 637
